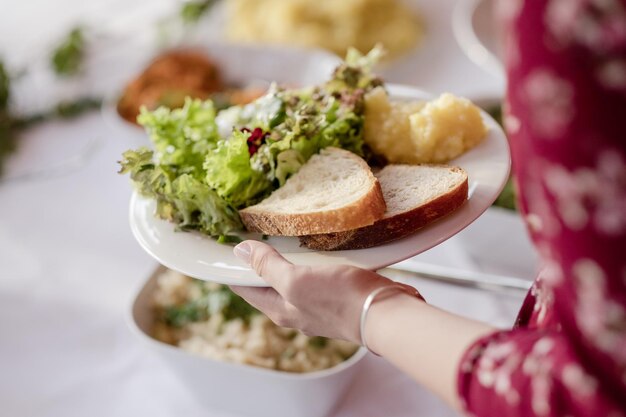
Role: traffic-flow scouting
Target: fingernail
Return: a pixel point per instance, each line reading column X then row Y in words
column 242, row 251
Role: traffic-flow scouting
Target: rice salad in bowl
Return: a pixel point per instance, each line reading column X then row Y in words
column 209, row 320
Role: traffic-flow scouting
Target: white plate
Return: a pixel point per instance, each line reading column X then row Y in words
column 201, row 257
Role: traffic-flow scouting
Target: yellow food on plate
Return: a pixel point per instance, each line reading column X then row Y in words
column 335, row 25
column 421, row 132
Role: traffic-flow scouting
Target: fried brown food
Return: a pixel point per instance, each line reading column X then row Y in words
column 170, row 78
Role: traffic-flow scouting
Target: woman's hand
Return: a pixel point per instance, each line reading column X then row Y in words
column 319, row 300
column 423, row 341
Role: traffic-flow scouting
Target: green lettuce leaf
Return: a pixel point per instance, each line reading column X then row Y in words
column 314, row 120
column 356, row 72
column 182, row 136
column 230, row 173
column 288, row 163
column 204, row 169
column 181, row 198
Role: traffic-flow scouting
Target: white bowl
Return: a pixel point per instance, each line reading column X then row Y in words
column 244, row 389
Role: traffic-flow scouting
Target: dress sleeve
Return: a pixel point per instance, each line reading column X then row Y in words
column 565, row 116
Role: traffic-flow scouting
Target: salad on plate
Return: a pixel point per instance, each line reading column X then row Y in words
column 206, row 165
column 211, row 169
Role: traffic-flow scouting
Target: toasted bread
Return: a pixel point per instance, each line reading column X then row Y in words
column 334, row 191
column 416, row 195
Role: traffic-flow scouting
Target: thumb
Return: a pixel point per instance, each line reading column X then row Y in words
column 265, row 260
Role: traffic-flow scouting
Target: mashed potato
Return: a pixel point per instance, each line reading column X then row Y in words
column 421, row 132
column 331, row 24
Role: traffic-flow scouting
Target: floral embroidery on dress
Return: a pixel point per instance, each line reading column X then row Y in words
column 570, row 194
column 549, row 99
column 596, row 195
column 612, row 74
column 538, row 367
column 544, row 297
column 495, row 369
column 599, row 25
column 578, row 381
column 600, row 319
column 551, row 272
column 469, row 359
column 565, row 118
column 540, row 213
column 533, row 222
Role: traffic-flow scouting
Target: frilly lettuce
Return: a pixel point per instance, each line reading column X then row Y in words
column 181, row 198
column 266, row 112
column 182, row 136
column 356, row 72
column 207, row 165
column 288, row 163
column 229, row 172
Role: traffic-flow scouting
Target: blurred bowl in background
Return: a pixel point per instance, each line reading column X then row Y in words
column 244, row 389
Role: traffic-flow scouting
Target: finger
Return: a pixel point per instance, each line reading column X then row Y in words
column 266, row 262
column 266, row 300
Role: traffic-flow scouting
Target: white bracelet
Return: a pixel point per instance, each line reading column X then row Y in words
column 372, row 297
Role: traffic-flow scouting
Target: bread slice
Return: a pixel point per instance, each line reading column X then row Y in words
column 416, row 195
column 334, row 191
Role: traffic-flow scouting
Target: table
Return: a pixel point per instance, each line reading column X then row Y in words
column 70, row 268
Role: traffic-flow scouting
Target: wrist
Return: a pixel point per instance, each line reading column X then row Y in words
column 381, row 312
column 383, row 306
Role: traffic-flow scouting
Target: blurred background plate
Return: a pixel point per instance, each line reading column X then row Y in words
column 433, row 64
column 436, row 63
column 474, row 27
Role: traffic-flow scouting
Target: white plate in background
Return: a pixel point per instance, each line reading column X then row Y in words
column 473, row 23
column 437, row 64
column 201, row 257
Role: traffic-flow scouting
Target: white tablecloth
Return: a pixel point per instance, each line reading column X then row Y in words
column 69, row 269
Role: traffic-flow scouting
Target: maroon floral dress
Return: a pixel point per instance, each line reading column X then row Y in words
column 566, row 120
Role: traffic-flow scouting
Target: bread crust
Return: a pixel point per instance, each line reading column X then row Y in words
column 363, row 212
column 393, row 227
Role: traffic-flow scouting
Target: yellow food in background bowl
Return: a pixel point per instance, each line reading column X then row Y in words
column 421, row 132
column 335, row 25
